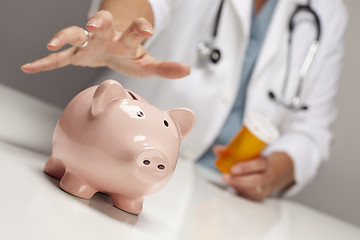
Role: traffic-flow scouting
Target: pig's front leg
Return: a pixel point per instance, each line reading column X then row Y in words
column 54, row 167
column 131, row 205
column 75, row 186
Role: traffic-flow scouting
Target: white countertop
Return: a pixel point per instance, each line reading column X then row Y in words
column 192, row 206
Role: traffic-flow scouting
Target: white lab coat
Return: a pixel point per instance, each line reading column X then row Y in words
column 211, row 90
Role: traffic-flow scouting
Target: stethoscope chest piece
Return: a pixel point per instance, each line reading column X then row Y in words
column 207, row 53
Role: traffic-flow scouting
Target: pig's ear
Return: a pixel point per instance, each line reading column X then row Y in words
column 105, row 93
column 185, row 118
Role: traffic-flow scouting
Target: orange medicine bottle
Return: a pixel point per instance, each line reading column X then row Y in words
column 257, row 132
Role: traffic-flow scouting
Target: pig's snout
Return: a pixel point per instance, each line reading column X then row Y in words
column 154, row 163
column 160, row 166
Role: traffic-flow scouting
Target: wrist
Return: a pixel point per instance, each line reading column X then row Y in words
column 127, row 11
column 283, row 170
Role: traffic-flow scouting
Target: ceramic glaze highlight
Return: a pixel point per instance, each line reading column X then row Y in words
column 111, row 140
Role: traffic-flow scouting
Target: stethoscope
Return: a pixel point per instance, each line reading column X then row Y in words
column 208, row 53
column 206, row 50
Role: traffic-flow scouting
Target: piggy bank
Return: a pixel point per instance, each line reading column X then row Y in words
column 110, row 140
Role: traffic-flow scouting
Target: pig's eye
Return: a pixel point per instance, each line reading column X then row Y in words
column 132, row 95
column 166, row 123
column 139, row 114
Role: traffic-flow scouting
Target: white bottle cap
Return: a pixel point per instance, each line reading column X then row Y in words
column 261, row 127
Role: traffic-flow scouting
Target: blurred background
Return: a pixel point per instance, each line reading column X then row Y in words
column 27, row 26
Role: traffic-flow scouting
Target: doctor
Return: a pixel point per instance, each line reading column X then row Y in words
column 133, row 38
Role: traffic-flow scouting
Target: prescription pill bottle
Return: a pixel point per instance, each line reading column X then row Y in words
column 257, row 132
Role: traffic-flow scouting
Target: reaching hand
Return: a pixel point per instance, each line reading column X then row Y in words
column 121, row 51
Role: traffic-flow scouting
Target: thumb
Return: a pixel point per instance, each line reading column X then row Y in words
column 218, row 149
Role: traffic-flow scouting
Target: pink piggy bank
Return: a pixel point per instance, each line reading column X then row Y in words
column 111, row 140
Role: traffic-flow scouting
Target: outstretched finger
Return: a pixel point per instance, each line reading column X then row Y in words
column 102, row 25
column 136, row 33
column 167, row 69
column 247, row 181
column 170, row 70
column 53, row 61
column 248, row 167
column 73, row 35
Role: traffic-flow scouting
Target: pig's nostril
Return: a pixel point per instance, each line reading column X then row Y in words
column 139, row 114
column 161, row 167
column 146, row 162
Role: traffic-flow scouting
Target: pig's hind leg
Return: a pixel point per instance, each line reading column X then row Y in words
column 75, row 186
column 54, row 167
column 131, row 205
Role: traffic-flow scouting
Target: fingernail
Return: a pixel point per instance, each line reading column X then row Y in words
column 26, row 65
column 54, row 42
column 94, row 23
column 147, row 28
column 236, row 169
column 226, row 178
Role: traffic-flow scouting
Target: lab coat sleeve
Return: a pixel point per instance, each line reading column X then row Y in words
column 162, row 11
column 306, row 136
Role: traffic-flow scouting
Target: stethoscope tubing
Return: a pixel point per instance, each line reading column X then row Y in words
column 296, row 102
column 208, row 53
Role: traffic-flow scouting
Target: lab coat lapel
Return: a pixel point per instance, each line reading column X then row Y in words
column 243, row 9
column 273, row 41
